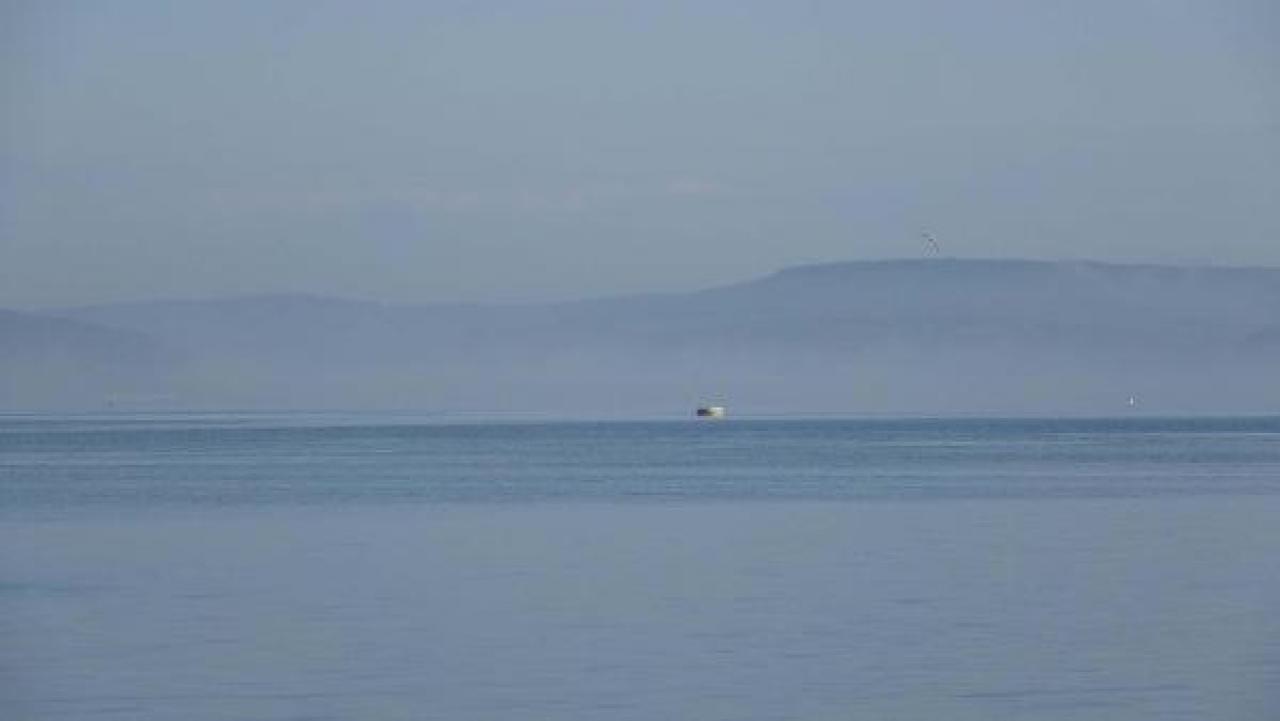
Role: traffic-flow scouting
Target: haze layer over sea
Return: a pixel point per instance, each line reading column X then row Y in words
column 326, row 566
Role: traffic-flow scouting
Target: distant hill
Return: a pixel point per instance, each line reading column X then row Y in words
column 892, row 336
column 48, row 361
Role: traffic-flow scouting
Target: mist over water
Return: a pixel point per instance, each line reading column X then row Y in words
column 917, row 337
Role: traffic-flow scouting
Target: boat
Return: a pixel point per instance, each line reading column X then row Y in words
column 710, row 412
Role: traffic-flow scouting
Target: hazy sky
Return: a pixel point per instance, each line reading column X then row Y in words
column 422, row 151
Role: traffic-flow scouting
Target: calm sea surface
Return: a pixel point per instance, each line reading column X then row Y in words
column 363, row 567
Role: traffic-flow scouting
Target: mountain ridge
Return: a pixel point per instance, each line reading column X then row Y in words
column 798, row 270
column 876, row 335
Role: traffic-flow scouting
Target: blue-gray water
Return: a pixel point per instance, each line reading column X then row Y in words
column 339, row 567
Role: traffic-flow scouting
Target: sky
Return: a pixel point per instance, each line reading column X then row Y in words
column 435, row 151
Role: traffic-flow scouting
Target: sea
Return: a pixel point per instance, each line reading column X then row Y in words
column 398, row 566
